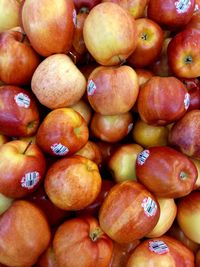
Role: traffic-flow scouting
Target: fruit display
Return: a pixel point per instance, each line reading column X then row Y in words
column 99, row 133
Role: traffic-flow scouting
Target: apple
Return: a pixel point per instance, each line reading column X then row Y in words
column 62, row 132
column 172, row 15
column 5, row 203
column 184, row 134
column 188, row 215
column 18, row 60
column 122, row 162
column 47, row 258
column 19, row 112
column 197, row 259
column 162, row 251
column 57, row 82
column 197, row 164
column 81, row 242
column 111, row 128
column 49, row 27
column 166, row 172
column 183, row 53
column 9, row 11
column 72, row 183
column 114, row 45
column 84, row 108
column 21, row 227
column 106, row 149
column 112, row 90
column 194, row 21
column 4, row 139
column 128, row 212
column 149, row 44
column 85, row 4
column 194, row 98
column 159, row 104
column 143, row 75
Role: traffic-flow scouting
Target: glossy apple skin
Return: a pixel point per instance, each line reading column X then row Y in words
column 62, row 132
column 18, row 60
column 25, row 166
column 123, row 215
column 159, row 104
column 149, row 45
column 194, row 21
column 183, row 54
column 188, row 215
column 172, row 253
column 9, row 14
column 89, row 4
column 84, row 108
column 89, row 245
column 19, row 112
column 171, row 14
column 58, row 20
column 166, row 172
column 187, row 126
column 47, row 258
column 21, row 227
column 112, row 90
column 106, row 48
column 73, row 183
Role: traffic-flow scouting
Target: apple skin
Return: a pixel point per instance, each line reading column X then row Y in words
column 114, row 46
column 21, row 227
column 170, row 253
column 159, row 104
column 47, row 258
column 183, row 54
column 112, row 90
column 184, row 134
column 89, row 4
column 49, row 28
column 19, row 112
column 171, row 15
column 18, row 60
column 149, row 45
column 194, row 21
column 89, row 245
column 197, row 259
column 166, row 172
column 4, row 139
column 62, row 132
column 124, row 216
column 9, row 11
column 5, row 203
column 84, row 108
column 73, row 183
column 26, row 166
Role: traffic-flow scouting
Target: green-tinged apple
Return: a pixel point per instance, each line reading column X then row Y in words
column 113, row 45
column 148, row 135
column 18, row 60
column 84, row 109
column 183, row 54
column 149, row 44
column 188, row 215
column 9, row 17
column 162, row 100
column 62, row 132
column 49, row 27
column 112, row 90
column 128, row 212
column 81, row 242
column 163, row 251
column 72, row 183
column 172, row 14
column 25, row 167
column 166, row 172
column 24, row 228
column 184, row 134
column 122, row 162
column 111, row 128
column 5, row 203
column 19, row 112
column 57, row 82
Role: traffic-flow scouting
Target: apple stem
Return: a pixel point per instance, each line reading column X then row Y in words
column 96, row 234
column 183, row 175
column 28, row 145
column 73, row 56
column 121, row 61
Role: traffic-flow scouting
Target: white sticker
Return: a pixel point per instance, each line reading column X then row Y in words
column 91, row 87
column 149, row 206
column 158, row 247
column 130, row 127
column 59, row 149
column 142, row 156
column 74, row 17
column 22, row 100
column 187, row 100
column 30, row 179
column 182, row 6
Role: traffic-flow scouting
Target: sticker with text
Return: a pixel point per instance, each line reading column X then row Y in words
column 149, row 206
column 158, row 247
column 182, row 5
column 187, row 100
column 22, row 100
column 91, row 87
column 142, row 156
column 59, row 149
column 30, row 179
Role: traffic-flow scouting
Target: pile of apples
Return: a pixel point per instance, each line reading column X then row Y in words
column 99, row 133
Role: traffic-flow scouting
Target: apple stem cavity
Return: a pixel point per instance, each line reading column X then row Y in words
column 27, row 147
column 188, row 60
column 84, row 9
column 144, row 36
column 96, row 234
column 183, row 175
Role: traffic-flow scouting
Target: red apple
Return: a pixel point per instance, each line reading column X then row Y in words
column 62, row 132
column 84, row 108
column 197, row 259
column 47, row 258
column 18, row 60
column 194, row 98
column 19, row 112
column 82, row 4
column 143, row 75
column 4, row 139
column 9, row 11
column 49, row 27
column 166, row 172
